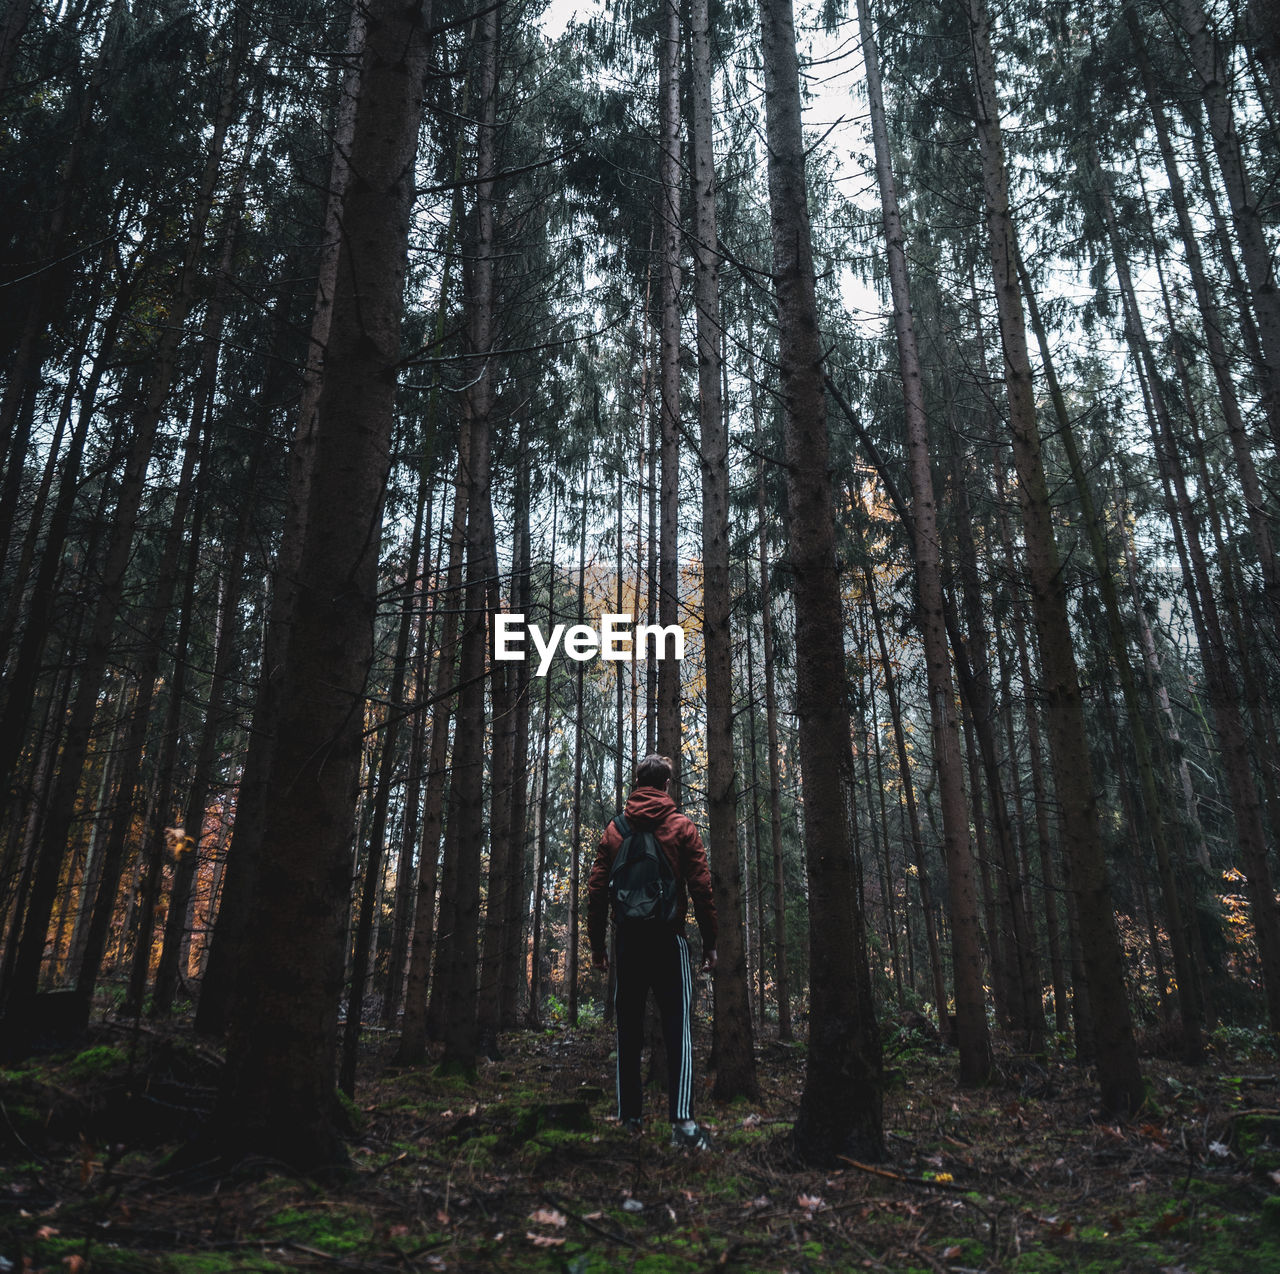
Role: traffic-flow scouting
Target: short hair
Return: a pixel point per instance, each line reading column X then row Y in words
column 653, row 771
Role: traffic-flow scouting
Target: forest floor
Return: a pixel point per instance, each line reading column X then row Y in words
column 526, row 1169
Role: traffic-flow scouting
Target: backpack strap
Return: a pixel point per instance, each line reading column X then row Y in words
column 624, row 830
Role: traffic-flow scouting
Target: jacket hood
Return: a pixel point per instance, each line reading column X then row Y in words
column 648, row 806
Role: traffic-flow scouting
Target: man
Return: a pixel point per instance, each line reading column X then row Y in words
column 653, row 953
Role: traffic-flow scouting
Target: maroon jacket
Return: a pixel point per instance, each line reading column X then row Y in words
column 652, row 809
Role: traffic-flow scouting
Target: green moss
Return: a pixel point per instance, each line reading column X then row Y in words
column 458, row 1071
column 971, row 1251
column 222, row 1263
column 562, row 1137
column 745, row 1136
column 96, row 1061
column 1237, row 1245
column 329, row 1229
column 355, row 1117
column 1038, row 1261
column 665, row 1263
column 1255, row 1131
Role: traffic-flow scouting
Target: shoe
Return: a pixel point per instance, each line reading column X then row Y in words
column 634, row 1126
column 695, row 1140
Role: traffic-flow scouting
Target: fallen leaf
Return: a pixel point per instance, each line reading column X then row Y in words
column 1155, row 1134
column 543, row 1240
column 548, row 1216
column 75, row 1263
column 46, row 1232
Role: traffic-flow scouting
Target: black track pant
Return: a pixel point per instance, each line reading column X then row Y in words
column 653, row 957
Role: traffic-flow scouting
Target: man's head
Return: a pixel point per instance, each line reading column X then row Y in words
column 654, row 771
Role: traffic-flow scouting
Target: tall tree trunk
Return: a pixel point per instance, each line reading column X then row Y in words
column 669, row 741
column 372, row 893
column 782, row 981
column 417, row 957
column 164, row 841
column 1199, row 849
column 913, row 815
column 1202, row 598
column 1013, row 936
column 1052, row 889
column 534, row 1015
column 841, row 1105
column 1119, row 1072
column 733, row 1047
column 168, row 973
column 278, row 1091
column 512, row 951
column 426, row 933
column 256, row 789
column 502, row 848
column 575, row 835
column 406, row 867
column 880, row 827
column 756, row 830
column 459, row 950
column 1188, row 986
column 971, row 1019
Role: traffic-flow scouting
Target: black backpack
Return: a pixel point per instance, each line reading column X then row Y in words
column 642, row 885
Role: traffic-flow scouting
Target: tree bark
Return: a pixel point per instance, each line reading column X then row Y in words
column 1119, row 1072
column 575, row 834
column 782, row 981
column 512, row 950
column 971, row 1020
column 669, row 741
column 841, row 1105
column 733, row 1045
column 1202, row 599
column 278, row 1092
column 426, row 932
column 458, row 953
